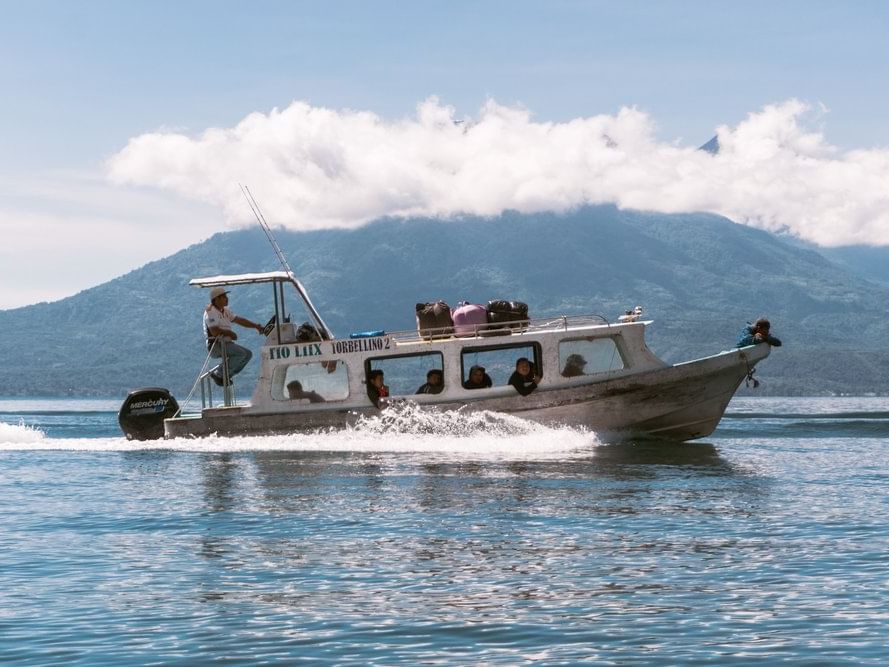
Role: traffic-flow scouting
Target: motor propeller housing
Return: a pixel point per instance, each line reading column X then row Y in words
column 142, row 414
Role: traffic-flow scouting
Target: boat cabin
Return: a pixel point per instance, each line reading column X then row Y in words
column 304, row 368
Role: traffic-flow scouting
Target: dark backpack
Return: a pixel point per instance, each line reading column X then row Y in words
column 434, row 319
column 306, row 333
column 515, row 312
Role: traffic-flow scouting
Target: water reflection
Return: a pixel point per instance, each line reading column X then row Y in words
column 218, row 481
column 295, row 481
column 453, row 541
column 663, row 453
column 307, row 482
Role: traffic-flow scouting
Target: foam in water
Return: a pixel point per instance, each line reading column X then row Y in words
column 405, row 428
column 410, row 418
column 13, row 434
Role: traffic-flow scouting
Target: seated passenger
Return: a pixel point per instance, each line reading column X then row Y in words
column 478, row 379
column 434, row 383
column 525, row 378
column 758, row 332
column 376, row 389
column 574, row 365
column 295, row 392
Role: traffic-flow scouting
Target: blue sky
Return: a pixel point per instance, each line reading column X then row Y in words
column 80, row 80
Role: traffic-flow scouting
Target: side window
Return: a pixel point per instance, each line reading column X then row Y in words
column 498, row 363
column 312, row 382
column 588, row 356
column 405, row 375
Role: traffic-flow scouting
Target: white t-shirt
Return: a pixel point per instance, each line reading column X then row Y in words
column 214, row 318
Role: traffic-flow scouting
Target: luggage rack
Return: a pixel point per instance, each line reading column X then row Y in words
column 493, row 331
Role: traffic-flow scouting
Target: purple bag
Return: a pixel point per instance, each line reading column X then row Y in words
column 469, row 319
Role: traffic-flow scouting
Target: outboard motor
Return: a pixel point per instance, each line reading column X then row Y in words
column 143, row 412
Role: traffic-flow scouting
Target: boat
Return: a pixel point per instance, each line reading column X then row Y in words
column 622, row 391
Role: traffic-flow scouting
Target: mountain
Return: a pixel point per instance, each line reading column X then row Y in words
column 699, row 276
column 866, row 261
column 711, row 146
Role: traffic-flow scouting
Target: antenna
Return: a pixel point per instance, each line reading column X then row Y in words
column 265, row 227
column 326, row 333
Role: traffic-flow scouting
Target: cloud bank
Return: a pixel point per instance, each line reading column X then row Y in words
column 313, row 168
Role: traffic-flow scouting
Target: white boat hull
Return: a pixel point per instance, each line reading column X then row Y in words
column 680, row 402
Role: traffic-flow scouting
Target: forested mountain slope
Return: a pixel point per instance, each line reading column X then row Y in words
column 699, row 277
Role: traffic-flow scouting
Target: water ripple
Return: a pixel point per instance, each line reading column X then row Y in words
column 555, row 550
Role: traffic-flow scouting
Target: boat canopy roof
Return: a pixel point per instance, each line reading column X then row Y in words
column 242, row 279
column 279, row 277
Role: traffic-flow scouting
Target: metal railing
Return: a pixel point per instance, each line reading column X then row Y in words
column 488, row 330
column 205, row 382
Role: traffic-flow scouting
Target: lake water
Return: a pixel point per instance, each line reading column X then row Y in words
column 448, row 540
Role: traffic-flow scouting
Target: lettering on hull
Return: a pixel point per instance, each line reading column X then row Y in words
column 359, row 345
column 295, row 351
column 337, row 347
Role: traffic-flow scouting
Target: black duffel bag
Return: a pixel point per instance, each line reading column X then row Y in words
column 434, row 319
column 512, row 314
column 306, row 333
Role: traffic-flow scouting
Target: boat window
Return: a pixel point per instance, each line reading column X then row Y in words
column 587, row 356
column 311, row 382
column 498, row 360
column 404, row 374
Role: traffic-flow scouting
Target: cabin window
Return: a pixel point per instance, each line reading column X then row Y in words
column 405, row 374
column 318, row 381
column 588, row 356
column 499, row 360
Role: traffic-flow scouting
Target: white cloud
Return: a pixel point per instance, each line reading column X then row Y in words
column 313, row 167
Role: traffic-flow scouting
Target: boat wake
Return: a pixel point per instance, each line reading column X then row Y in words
column 11, row 434
column 404, row 428
column 411, row 418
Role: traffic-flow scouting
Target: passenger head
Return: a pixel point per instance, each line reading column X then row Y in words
column 216, row 296
column 574, row 365
column 375, row 378
column 762, row 324
column 477, row 374
column 523, row 366
column 435, row 377
column 294, row 389
column 576, row 360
